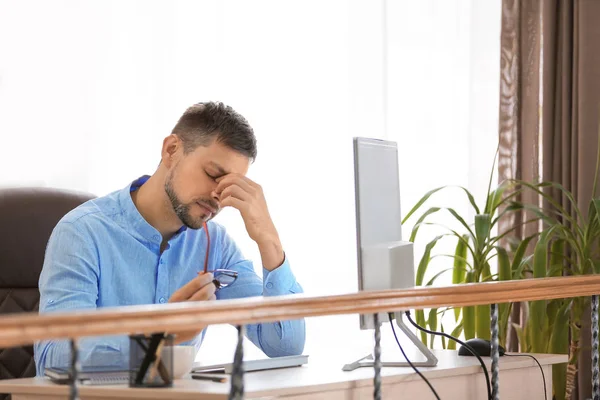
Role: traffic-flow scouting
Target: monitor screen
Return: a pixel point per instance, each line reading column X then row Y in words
column 384, row 261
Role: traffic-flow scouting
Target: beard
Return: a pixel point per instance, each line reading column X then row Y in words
column 182, row 210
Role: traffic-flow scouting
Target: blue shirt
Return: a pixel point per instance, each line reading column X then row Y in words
column 105, row 254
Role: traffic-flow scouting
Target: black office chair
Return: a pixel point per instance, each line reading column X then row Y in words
column 27, row 217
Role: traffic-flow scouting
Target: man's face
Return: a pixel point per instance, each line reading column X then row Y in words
column 190, row 182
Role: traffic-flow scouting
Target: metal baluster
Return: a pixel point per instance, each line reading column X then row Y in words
column 377, row 359
column 595, row 378
column 74, row 390
column 495, row 352
column 237, row 377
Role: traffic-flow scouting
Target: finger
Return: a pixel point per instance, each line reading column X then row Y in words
column 237, row 192
column 205, row 293
column 249, row 181
column 188, row 290
column 235, row 203
column 185, row 336
column 233, row 179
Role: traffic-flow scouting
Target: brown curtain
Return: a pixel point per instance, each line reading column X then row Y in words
column 549, row 107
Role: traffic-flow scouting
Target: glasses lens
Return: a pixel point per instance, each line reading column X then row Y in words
column 225, row 278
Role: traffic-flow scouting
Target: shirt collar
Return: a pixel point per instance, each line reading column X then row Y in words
column 140, row 227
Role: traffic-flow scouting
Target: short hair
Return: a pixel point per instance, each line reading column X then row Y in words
column 202, row 123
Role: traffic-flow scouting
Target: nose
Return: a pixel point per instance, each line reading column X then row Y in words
column 215, row 196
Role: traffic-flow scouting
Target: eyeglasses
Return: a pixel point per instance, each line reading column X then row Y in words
column 221, row 277
column 224, row 277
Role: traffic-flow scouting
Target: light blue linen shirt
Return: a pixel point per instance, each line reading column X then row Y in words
column 105, row 254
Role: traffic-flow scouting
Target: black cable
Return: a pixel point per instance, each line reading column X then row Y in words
column 410, row 363
column 466, row 346
column 539, row 365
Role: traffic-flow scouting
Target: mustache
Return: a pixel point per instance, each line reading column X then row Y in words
column 213, row 205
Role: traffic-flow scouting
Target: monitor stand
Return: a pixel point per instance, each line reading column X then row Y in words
column 367, row 361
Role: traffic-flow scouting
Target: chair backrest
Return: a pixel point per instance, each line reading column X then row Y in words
column 27, row 218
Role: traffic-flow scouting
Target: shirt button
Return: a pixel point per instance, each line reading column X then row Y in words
column 162, row 300
column 156, row 237
column 269, row 285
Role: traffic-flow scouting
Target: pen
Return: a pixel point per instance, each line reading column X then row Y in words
column 212, row 378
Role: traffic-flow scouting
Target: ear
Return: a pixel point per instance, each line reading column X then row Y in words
column 171, row 150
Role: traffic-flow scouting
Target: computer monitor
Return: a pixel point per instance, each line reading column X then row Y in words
column 384, row 260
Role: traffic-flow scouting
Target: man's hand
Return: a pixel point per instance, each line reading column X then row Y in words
column 198, row 289
column 239, row 192
column 245, row 195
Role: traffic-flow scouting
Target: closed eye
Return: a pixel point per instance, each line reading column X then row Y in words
column 214, row 178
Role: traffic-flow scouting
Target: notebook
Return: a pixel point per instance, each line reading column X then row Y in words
column 89, row 375
column 254, row 365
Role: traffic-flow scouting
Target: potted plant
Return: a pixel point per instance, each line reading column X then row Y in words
column 568, row 244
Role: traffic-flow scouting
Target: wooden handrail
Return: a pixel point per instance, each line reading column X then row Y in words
column 22, row 329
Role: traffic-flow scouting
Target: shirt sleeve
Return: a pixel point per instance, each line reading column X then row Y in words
column 69, row 281
column 275, row 339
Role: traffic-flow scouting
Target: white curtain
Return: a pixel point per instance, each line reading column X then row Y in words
column 88, row 90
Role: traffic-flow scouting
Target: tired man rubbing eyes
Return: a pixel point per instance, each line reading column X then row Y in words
column 152, row 242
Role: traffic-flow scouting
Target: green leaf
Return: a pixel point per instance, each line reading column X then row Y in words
column 443, row 337
column 522, row 337
column 555, row 270
column 455, row 333
column 504, row 274
column 504, row 267
column 518, row 273
column 568, row 195
column 430, row 282
column 591, row 227
column 459, row 269
column 511, row 206
column 508, row 232
column 539, row 213
column 482, row 229
column 471, row 199
column 413, row 234
column 452, row 233
column 420, row 319
column 558, row 208
column 596, row 203
column 537, row 309
column 559, row 344
column 482, row 321
column 469, row 312
column 551, row 310
column 595, row 228
column 454, row 257
column 521, row 251
column 433, row 324
column 461, row 220
column 496, row 197
column 420, row 202
column 424, row 263
column 483, row 311
column 489, row 190
column 557, row 257
column 486, row 275
column 540, row 255
column 597, row 170
column 503, row 314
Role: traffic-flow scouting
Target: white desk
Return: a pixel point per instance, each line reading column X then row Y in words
column 455, row 378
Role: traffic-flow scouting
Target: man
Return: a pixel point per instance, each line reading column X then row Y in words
column 145, row 244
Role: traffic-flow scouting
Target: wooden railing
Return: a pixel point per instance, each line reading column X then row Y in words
column 22, row 329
